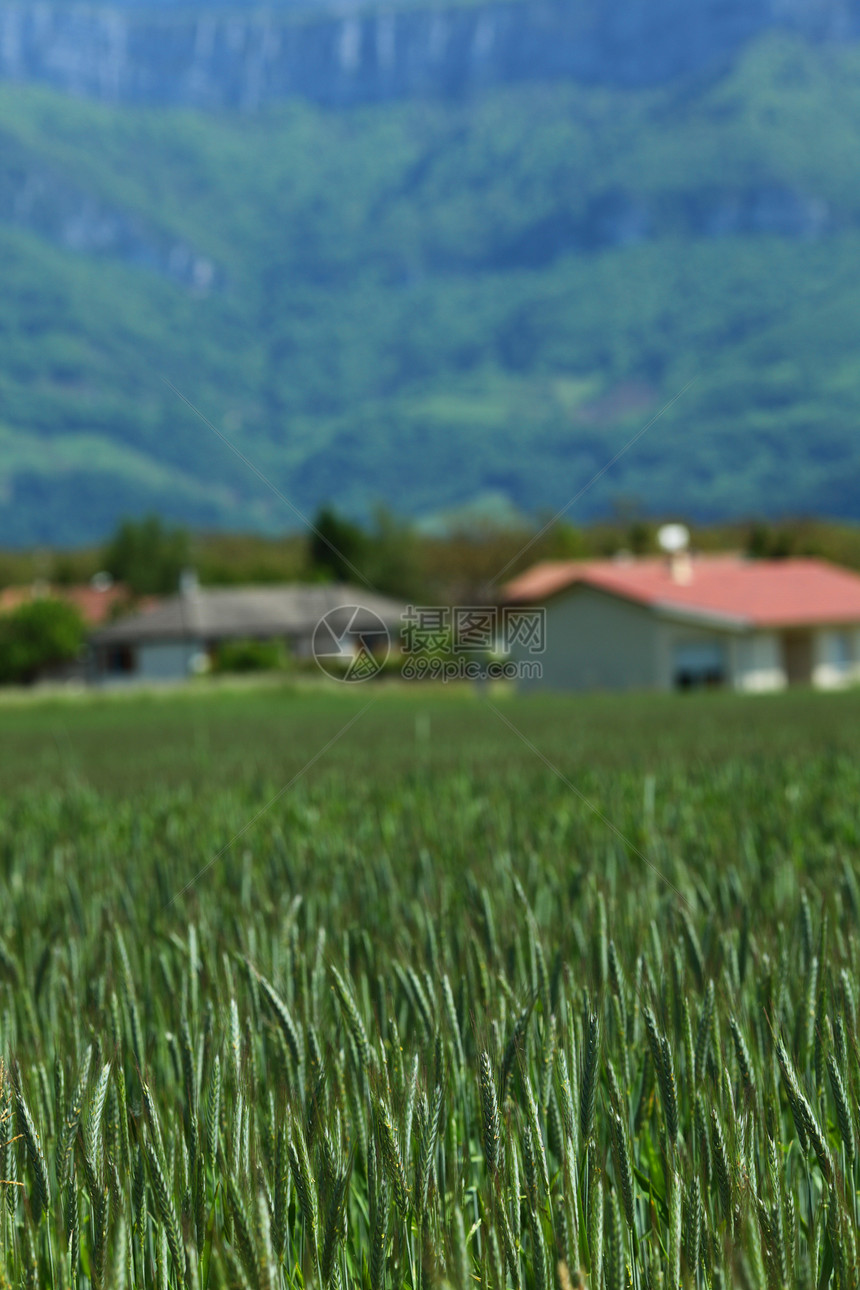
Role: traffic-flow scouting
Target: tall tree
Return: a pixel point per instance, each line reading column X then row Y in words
column 148, row 555
column 337, row 546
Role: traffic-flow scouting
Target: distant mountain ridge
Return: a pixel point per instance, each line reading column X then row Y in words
column 468, row 290
column 241, row 55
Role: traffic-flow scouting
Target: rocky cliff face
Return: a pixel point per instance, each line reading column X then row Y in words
column 48, row 202
column 128, row 52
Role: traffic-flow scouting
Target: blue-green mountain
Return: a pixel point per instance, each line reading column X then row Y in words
column 427, row 256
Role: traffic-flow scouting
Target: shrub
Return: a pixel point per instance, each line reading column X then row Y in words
column 36, row 635
column 250, row 656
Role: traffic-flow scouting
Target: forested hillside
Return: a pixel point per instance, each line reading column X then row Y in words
column 429, row 302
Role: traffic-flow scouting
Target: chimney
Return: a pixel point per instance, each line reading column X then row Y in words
column 674, row 540
column 189, row 583
column 681, row 567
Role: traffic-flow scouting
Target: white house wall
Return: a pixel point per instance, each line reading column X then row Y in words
column 596, row 642
column 758, row 662
column 165, row 660
column 834, row 666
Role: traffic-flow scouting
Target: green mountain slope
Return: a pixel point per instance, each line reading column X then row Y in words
column 426, row 303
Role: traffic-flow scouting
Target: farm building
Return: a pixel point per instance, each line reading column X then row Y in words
column 687, row 620
column 181, row 635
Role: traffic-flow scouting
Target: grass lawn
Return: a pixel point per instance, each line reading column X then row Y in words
column 131, row 743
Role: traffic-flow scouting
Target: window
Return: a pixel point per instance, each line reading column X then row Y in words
column 120, row 659
column 839, row 651
column 699, row 663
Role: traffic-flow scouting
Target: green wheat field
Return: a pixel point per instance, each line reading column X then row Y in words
column 439, row 992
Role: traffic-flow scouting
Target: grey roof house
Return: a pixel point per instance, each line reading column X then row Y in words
column 179, row 636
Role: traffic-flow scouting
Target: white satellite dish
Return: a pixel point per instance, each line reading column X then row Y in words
column 673, row 538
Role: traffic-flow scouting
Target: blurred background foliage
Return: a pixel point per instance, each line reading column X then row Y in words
column 458, row 566
column 38, row 635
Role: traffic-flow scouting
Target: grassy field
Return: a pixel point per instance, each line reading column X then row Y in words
column 508, row 994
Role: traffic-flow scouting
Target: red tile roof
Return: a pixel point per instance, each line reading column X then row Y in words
column 95, row 606
column 760, row 593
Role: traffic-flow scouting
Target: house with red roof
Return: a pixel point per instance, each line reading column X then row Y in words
column 97, row 601
column 685, row 620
